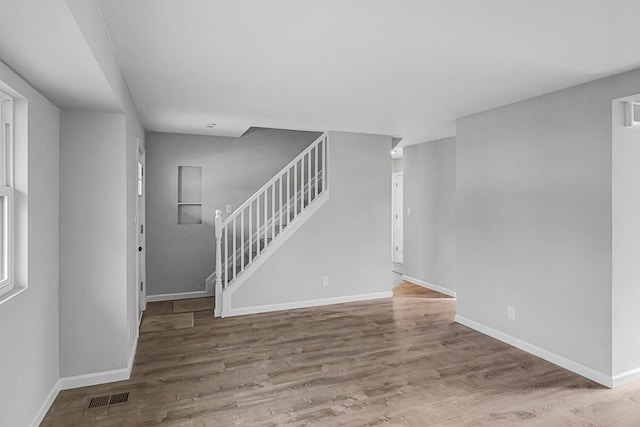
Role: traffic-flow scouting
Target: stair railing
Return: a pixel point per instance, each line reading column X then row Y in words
column 281, row 219
column 261, row 218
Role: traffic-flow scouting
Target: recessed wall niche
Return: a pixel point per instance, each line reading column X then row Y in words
column 189, row 195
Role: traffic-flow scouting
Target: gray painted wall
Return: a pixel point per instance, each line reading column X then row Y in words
column 94, row 334
column 348, row 239
column 89, row 20
column 181, row 257
column 134, row 134
column 626, row 243
column 429, row 232
column 29, row 362
column 534, row 220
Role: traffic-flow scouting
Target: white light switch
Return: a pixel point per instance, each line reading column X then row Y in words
column 229, row 209
column 408, row 211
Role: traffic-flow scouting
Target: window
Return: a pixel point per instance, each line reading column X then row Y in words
column 140, row 175
column 6, row 193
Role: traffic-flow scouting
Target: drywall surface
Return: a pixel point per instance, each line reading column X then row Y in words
column 534, row 222
column 181, row 257
column 347, row 240
column 134, row 140
column 626, row 243
column 29, row 364
column 397, row 165
column 90, row 22
column 534, row 219
column 94, row 334
column 429, row 232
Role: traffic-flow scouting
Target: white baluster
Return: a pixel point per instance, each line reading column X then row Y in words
column 225, row 258
column 250, row 232
column 316, row 175
column 218, row 284
column 258, row 224
column 234, row 248
column 295, row 190
column 324, row 163
column 273, row 211
column 309, row 178
column 288, row 197
column 280, row 205
column 266, row 218
column 242, row 240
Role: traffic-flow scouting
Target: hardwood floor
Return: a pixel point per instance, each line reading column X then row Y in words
column 411, row 290
column 400, row 361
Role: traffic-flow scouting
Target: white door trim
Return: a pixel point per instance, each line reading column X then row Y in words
column 140, row 233
column 396, row 238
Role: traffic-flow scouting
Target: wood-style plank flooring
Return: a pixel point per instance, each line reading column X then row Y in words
column 400, row 361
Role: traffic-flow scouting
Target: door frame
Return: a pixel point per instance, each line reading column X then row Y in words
column 394, row 195
column 141, row 291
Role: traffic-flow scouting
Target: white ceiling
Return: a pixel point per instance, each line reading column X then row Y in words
column 41, row 41
column 395, row 67
column 401, row 68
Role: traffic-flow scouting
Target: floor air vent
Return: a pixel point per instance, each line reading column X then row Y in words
column 109, row 400
column 99, row 401
column 120, row 398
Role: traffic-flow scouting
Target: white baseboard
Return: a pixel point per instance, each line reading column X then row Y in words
column 626, row 377
column 103, row 377
column 67, row 383
column 288, row 232
column 431, row 286
column 563, row 362
column 179, row 295
column 304, row 304
column 273, row 247
column 94, row 378
column 44, row 408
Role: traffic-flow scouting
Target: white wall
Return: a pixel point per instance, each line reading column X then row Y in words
column 396, row 165
column 348, row 239
column 181, row 257
column 429, row 232
column 626, row 243
column 534, row 222
column 90, row 22
column 134, row 133
column 29, row 364
column 94, row 334
column 62, row 328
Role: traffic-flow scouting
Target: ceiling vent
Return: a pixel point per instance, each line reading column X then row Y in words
column 632, row 114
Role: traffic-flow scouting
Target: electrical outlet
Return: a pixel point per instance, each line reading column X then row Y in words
column 229, row 209
column 511, row 313
column 325, row 280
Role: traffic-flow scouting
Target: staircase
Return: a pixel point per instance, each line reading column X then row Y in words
column 255, row 229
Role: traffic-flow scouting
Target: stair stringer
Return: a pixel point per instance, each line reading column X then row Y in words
column 273, row 247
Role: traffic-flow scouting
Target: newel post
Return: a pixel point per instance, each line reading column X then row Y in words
column 218, row 284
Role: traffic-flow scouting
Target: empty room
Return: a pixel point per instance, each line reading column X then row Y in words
column 323, row 213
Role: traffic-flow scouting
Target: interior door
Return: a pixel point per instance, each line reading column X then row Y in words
column 140, row 241
column 397, row 223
